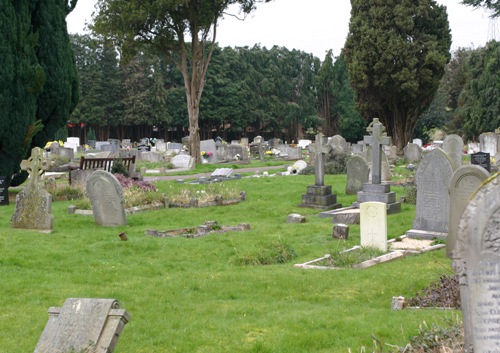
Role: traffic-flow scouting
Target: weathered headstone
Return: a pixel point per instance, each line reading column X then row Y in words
column 357, row 174
column 453, row 145
column 319, row 195
column 433, row 177
column 340, row 231
column 338, row 144
column 478, row 268
column 83, row 325
column 210, row 149
column 73, row 143
column 34, row 203
column 417, row 142
column 373, row 225
column 488, row 142
column 4, row 191
column 481, row 159
column 464, row 183
column 183, row 161
column 376, row 190
column 412, row 153
column 106, row 197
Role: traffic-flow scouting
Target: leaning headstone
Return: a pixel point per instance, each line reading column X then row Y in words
column 481, row 159
column 373, row 225
column 106, row 197
column 453, row 145
column 4, row 191
column 357, row 174
column 464, row 183
column 433, row 177
column 478, row 268
column 34, row 203
column 412, row 153
column 83, row 325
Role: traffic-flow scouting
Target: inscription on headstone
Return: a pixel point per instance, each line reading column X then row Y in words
column 4, row 191
column 373, row 225
column 481, row 159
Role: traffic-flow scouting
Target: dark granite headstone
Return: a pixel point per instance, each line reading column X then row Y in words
column 481, row 159
column 4, row 191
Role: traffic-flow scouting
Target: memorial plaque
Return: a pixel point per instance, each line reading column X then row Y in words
column 481, row 159
column 4, row 191
column 478, row 268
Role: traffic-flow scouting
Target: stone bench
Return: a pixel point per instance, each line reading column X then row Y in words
column 91, row 164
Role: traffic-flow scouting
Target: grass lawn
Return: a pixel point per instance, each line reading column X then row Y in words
column 198, row 295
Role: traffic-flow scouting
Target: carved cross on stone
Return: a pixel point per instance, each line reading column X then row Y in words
column 321, row 150
column 377, row 139
column 35, row 165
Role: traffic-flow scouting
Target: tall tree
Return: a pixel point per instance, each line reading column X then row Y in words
column 166, row 25
column 493, row 5
column 38, row 82
column 396, row 51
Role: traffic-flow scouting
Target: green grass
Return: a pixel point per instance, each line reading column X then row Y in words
column 200, row 295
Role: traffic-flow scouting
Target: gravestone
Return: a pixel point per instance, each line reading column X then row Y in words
column 161, row 146
column 100, row 144
column 433, row 177
column 376, row 190
column 385, row 168
column 174, row 146
column 304, row 143
column 453, row 145
column 209, row 147
column 34, row 203
column 338, row 145
column 481, row 159
column 373, row 225
column 83, row 325
column 106, row 197
column 417, row 142
column 464, row 183
column 357, row 174
column 488, row 142
column 478, row 268
column 73, row 143
column 183, row 161
column 319, row 195
column 412, row 153
column 4, row 191
column 126, row 143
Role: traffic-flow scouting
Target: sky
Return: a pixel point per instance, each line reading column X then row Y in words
column 314, row 26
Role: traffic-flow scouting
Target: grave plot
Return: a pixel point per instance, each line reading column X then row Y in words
column 397, row 248
column 209, row 227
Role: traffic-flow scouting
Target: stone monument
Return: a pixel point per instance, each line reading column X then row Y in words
column 373, row 225
column 453, row 145
column 106, row 197
column 34, row 203
column 376, row 190
column 357, row 174
column 320, row 195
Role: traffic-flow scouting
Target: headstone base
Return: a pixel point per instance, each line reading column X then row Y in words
column 425, row 234
column 320, row 197
column 346, row 215
column 379, row 193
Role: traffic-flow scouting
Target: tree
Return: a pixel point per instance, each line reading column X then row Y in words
column 38, row 81
column 165, row 25
column 396, row 52
column 493, row 5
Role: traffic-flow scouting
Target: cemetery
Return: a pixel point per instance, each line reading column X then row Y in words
column 261, row 282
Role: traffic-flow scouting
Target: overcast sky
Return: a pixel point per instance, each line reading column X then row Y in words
column 314, row 26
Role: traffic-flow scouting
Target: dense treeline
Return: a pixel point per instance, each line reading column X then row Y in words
column 249, row 91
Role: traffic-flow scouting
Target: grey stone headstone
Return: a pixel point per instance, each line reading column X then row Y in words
column 161, row 146
column 222, row 172
column 357, row 148
column 175, row 146
column 83, row 325
column 418, row 142
column 233, row 150
column 209, row 147
column 433, row 177
column 412, row 153
column 488, row 142
column 99, row 144
column 385, row 168
column 338, row 144
column 126, row 143
column 106, row 197
column 453, row 145
column 465, row 182
column 183, row 161
column 478, row 268
column 66, row 153
column 357, row 174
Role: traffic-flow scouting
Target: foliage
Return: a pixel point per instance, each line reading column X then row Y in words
column 395, row 53
column 119, row 168
column 493, row 5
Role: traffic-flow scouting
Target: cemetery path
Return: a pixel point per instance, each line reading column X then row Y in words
column 151, row 178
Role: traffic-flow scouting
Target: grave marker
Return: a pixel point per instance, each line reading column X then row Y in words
column 106, row 197
column 453, row 145
column 357, row 174
column 481, row 159
column 4, row 191
column 373, row 225
column 83, row 325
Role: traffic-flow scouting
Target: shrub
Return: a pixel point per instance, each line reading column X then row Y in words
column 119, row 168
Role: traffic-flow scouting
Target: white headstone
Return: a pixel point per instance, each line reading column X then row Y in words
column 183, row 161
column 373, row 225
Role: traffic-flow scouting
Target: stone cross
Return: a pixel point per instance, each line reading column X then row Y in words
column 377, row 139
column 321, row 150
column 35, row 165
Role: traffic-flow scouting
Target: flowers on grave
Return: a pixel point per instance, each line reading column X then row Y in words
column 49, row 143
column 269, row 153
column 206, row 155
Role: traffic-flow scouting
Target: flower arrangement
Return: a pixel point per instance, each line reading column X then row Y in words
column 48, row 144
column 206, row 155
